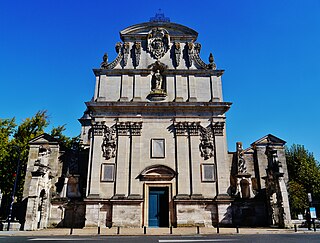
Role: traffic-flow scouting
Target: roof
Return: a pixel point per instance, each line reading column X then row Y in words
column 176, row 31
column 269, row 139
column 44, row 138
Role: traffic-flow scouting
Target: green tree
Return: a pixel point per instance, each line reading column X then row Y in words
column 304, row 177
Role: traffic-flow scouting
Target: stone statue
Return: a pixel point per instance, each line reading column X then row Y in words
column 104, row 63
column 158, row 80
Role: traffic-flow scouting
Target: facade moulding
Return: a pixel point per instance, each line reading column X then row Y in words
column 146, row 72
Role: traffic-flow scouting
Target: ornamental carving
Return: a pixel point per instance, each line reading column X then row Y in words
column 126, row 47
column 105, row 65
column 274, row 164
column 197, row 59
column 242, row 167
column 137, row 53
column 186, row 128
column 98, row 129
column 206, row 145
column 109, row 145
column 218, row 128
column 180, row 128
column 129, row 128
column 158, row 42
column 190, row 50
column 177, row 53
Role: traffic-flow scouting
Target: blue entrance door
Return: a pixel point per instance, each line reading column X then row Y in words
column 158, row 207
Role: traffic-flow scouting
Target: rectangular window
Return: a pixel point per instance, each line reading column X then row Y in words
column 207, row 173
column 107, row 172
column 157, row 148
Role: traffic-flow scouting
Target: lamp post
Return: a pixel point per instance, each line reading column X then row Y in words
column 14, row 190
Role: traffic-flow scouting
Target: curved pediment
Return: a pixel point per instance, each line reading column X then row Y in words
column 176, row 31
column 157, row 173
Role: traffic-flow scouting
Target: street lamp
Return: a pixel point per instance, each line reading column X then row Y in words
column 14, row 189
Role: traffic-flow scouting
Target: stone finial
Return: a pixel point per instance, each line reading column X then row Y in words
column 104, row 63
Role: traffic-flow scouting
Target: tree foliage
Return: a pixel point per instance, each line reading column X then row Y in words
column 304, row 178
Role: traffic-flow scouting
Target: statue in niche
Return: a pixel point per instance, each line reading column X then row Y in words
column 206, row 144
column 158, row 80
column 109, row 145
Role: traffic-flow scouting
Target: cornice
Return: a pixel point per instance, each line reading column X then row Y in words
column 159, row 107
column 167, row 72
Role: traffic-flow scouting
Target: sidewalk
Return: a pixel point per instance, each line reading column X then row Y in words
column 154, row 231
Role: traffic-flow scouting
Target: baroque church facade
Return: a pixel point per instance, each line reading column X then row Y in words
column 154, row 150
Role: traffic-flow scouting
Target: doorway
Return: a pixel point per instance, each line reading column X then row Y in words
column 158, row 207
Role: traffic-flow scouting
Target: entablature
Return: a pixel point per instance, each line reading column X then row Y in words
column 146, row 72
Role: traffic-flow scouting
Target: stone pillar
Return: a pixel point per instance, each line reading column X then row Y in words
column 285, row 203
column 195, row 159
column 126, row 88
column 95, row 159
column 182, row 157
column 136, row 187
column 192, row 89
column 222, row 165
column 216, row 88
column 181, row 88
column 123, row 156
column 32, row 205
column 97, row 88
column 137, row 88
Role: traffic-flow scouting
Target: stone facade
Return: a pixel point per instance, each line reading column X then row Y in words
column 154, row 142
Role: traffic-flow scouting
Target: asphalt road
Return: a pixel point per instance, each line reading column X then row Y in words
column 275, row 238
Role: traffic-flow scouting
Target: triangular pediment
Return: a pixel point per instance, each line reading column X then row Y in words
column 157, row 173
column 269, row 139
column 43, row 139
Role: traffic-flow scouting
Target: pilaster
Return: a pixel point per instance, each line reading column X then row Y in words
column 182, row 157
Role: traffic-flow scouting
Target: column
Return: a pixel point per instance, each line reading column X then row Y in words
column 181, row 88
column 195, row 159
column 135, row 186
column 214, row 84
column 137, row 88
column 95, row 158
column 182, row 160
column 192, row 89
column 123, row 156
column 97, row 87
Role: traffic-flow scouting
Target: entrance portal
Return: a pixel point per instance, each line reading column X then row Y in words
column 159, row 207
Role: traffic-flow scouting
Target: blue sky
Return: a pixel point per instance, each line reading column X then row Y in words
column 270, row 51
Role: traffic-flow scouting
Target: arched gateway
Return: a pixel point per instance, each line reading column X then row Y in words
column 154, row 149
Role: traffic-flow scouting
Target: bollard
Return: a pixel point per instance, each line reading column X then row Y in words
column 170, row 230
column 198, row 230
column 237, row 229
column 144, row 230
column 118, row 230
column 295, row 228
column 218, row 230
column 314, row 225
column 98, row 230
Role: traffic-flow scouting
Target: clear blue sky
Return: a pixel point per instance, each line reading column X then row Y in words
column 269, row 49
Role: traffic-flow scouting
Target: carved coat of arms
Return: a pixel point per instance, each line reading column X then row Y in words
column 158, row 42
